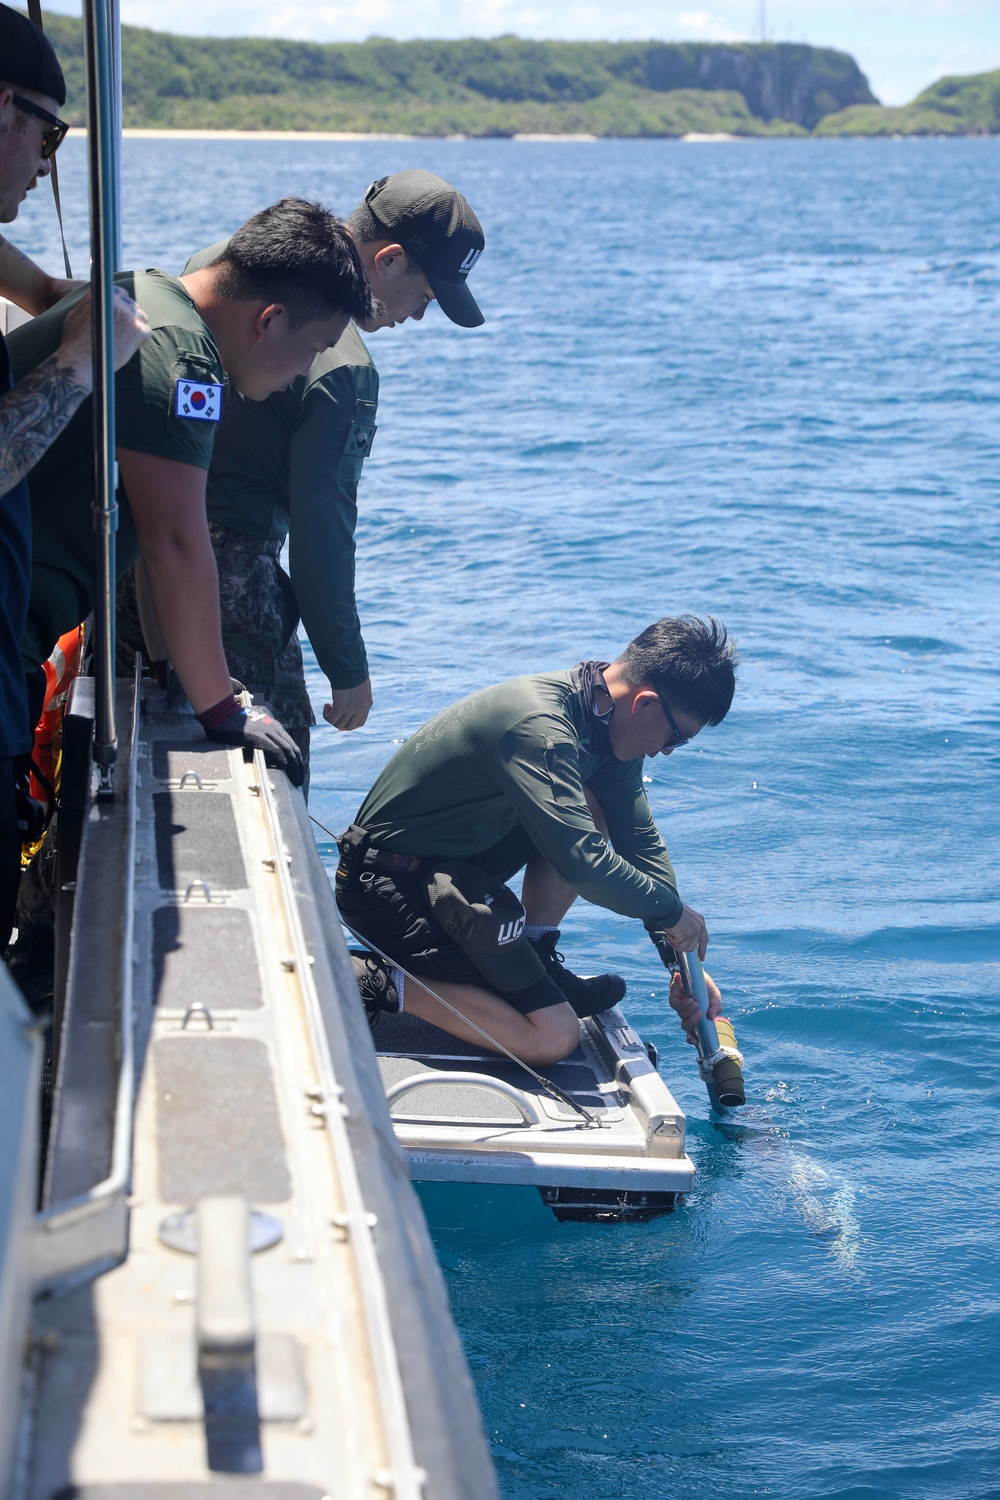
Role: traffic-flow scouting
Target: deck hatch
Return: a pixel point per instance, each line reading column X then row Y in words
column 207, row 1090
column 483, row 1105
column 575, row 1076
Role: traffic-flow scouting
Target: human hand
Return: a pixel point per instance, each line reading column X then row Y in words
column 687, row 1006
column 689, row 933
column 254, row 729
column 131, row 329
column 350, row 707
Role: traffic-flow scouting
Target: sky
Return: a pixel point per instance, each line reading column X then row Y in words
column 901, row 45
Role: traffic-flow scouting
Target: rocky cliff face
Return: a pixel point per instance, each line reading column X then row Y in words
column 476, row 86
column 779, row 80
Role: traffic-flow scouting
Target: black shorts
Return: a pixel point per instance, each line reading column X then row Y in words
column 392, row 911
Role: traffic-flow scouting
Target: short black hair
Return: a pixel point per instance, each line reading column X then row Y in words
column 363, row 223
column 300, row 254
column 691, row 662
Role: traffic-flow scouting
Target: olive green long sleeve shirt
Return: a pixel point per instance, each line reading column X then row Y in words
column 516, row 754
column 290, row 466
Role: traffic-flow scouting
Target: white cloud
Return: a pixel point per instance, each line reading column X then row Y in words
column 708, row 28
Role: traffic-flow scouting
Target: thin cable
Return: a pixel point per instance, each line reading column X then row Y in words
column 35, row 15
column 547, row 1084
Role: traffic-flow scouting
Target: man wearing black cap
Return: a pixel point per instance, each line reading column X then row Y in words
column 35, row 410
column 291, row 465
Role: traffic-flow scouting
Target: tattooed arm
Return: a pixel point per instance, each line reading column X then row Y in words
column 26, row 284
column 35, row 411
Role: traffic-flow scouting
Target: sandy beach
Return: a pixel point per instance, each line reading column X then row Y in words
column 142, row 134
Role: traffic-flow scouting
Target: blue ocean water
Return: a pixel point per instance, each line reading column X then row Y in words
column 757, row 379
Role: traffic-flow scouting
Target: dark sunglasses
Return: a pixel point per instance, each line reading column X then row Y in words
column 53, row 138
column 679, row 739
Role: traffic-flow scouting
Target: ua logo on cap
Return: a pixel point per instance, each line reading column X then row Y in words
column 510, row 931
column 470, row 261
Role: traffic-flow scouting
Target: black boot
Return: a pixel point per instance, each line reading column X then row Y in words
column 378, row 993
column 587, row 996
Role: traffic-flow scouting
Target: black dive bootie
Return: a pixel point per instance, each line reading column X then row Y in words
column 587, row 996
column 378, row 993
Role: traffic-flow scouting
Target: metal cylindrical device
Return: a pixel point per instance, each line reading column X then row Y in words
column 719, row 1059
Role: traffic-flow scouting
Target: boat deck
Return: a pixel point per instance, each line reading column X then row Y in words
column 462, row 1114
column 238, row 1279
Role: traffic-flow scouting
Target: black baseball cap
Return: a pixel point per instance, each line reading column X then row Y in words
column 27, row 57
column 434, row 224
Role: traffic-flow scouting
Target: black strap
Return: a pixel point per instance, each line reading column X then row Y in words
column 589, row 676
column 35, row 15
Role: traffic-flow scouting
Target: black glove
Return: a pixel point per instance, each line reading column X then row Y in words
column 662, row 945
column 253, row 728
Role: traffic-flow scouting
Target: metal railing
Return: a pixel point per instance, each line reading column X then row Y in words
column 103, row 132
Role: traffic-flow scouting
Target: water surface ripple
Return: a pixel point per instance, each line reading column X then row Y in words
column 757, row 379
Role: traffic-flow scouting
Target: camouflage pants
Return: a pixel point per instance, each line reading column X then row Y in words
column 259, row 620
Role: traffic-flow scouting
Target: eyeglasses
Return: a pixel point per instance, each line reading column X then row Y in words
column 679, row 740
column 53, row 138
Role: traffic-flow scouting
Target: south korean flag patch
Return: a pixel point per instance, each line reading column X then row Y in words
column 198, row 400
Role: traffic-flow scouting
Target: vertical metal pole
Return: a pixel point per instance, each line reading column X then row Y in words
column 116, row 53
column 102, row 152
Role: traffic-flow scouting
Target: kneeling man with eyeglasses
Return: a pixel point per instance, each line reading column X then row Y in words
column 542, row 773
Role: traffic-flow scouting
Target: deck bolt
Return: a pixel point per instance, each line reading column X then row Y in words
column 289, row 964
column 341, row 1223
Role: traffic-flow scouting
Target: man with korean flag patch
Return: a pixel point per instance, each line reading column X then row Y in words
column 290, row 466
column 286, row 288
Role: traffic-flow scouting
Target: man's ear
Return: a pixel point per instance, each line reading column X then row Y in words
column 391, row 261
column 269, row 318
column 643, row 700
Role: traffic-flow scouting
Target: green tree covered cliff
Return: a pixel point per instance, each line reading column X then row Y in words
column 471, row 87
column 508, row 86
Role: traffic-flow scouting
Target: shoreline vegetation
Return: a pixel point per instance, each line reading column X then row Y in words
column 510, row 88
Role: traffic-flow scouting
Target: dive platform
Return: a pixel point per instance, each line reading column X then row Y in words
column 229, row 1288
column 612, row 1147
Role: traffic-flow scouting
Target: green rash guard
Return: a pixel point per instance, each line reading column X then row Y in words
column 519, row 754
column 62, row 482
column 290, row 465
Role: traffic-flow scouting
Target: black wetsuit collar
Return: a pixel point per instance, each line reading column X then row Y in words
column 588, row 677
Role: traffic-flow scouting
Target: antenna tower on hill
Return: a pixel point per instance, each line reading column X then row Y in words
column 763, row 20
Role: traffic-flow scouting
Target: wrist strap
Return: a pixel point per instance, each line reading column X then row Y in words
column 216, row 716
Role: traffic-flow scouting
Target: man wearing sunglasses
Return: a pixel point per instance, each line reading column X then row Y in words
column 542, row 772
column 36, row 410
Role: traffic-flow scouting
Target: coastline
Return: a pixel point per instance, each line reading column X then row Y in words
column 143, row 133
